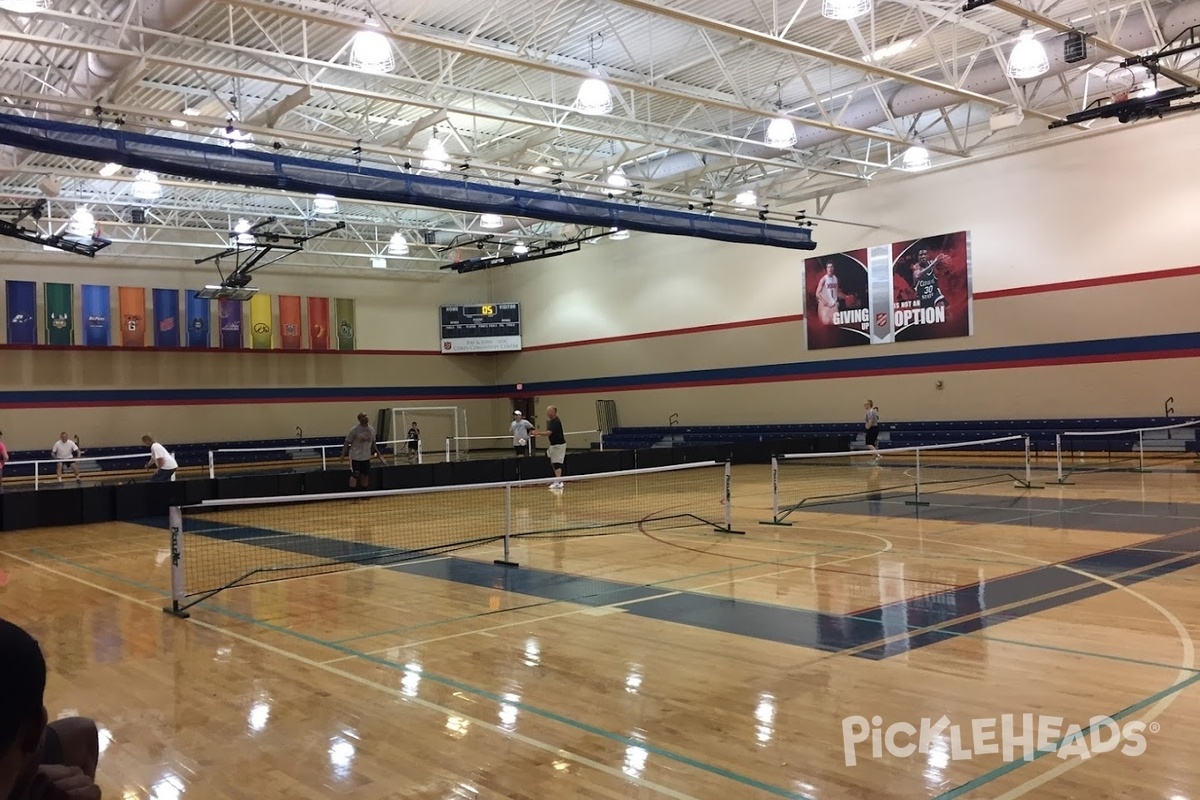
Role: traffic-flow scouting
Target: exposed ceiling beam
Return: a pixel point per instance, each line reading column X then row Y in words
column 269, row 117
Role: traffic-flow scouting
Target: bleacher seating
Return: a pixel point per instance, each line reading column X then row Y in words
column 1041, row 432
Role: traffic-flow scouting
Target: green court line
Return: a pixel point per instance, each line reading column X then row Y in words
column 658, row 584
column 670, row 755
column 1004, row 769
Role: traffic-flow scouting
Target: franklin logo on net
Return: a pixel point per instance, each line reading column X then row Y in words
column 1013, row 737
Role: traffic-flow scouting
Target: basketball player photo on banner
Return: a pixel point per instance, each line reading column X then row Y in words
column 905, row 291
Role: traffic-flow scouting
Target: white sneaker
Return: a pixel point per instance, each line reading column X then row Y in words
column 556, row 485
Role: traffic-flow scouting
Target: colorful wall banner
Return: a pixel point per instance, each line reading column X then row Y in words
column 199, row 333
column 60, row 313
column 291, row 330
column 345, row 324
column 261, row 328
column 21, row 298
column 132, row 305
column 166, row 317
column 230, row 324
column 97, row 315
column 906, row 291
column 318, row 323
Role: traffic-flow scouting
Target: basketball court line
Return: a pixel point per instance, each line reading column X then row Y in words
column 1161, row 700
column 449, row 682
column 964, row 788
column 656, row 584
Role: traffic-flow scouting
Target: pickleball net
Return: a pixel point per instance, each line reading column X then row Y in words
column 1129, row 450
column 804, row 480
column 220, row 544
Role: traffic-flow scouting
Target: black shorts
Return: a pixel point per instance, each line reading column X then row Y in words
column 360, row 467
column 872, row 435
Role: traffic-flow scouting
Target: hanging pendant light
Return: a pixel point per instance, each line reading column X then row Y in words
column 82, row 223
column 781, row 133
column 595, row 96
column 915, row 159
column 617, row 182
column 371, row 51
column 845, row 9
column 325, row 204
column 435, row 155
column 146, row 186
column 1028, row 59
column 746, row 197
column 398, row 246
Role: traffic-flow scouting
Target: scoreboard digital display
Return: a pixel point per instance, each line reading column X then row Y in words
column 486, row 328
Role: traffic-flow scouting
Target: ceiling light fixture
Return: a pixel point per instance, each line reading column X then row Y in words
column 24, row 6
column 781, row 133
column 845, row 9
column 491, row 221
column 595, row 96
column 370, row 51
column 109, row 169
column 325, row 204
column 398, row 246
column 618, row 234
column 617, row 182
column 1028, row 58
column 178, row 123
column 435, row 155
column 82, row 223
column 520, row 249
column 146, row 186
column 746, row 197
column 915, row 159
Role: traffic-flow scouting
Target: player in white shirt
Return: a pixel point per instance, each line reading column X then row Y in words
column 65, row 451
column 161, row 461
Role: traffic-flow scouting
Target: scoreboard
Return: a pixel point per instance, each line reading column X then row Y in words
column 487, row 328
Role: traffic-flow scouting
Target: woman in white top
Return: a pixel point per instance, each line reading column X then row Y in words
column 161, row 461
column 65, row 451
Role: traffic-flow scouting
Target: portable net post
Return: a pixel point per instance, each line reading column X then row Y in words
column 1058, row 461
column 508, row 529
column 178, row 590
column 775, row 520
column 727, row 501
column 212, row 465
column 916, row 501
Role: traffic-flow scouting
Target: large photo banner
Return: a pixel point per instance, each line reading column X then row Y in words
column 906, row 291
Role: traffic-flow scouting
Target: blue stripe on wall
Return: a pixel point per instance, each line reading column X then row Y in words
column 1176, row 345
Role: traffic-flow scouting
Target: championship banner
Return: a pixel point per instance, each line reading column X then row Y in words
column 166, row 317
column 345, row 324
column 132, row 305
column 230, row 322
column 318, row 323
column 97, row 315
column 260, row 322
column 60, row 313
column 21, row 297
column 290, row 329
column 198, row 321
column 907, row 291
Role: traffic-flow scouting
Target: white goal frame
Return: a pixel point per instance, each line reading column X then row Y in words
column 455, row 448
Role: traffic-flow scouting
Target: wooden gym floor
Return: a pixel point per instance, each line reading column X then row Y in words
column 665, row 663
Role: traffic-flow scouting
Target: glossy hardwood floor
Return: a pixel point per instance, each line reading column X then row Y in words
column 667, row 662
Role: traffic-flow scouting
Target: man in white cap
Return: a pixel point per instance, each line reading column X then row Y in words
column 521, row 430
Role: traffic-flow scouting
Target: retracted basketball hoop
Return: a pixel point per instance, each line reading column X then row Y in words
column 1120, row 83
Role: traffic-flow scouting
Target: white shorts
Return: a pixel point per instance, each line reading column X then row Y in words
column 557, row 453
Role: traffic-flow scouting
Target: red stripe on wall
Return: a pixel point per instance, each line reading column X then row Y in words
column 871, row 373
column 1111, row 280
column 723, row 326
